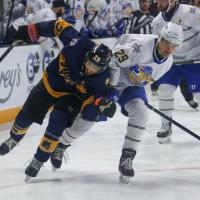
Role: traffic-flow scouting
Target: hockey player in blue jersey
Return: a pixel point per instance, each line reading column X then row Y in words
column 78, row 76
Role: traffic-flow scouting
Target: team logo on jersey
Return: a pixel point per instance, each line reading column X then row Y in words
column 60, row 26
column 136, row 47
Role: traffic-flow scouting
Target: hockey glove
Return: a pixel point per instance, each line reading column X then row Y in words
column 99, row 110
column 105, row 106
column 112, row 94
column 70, row 19
column 118, row 28
column 84, row 32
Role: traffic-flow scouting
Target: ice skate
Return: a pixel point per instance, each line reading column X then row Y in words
column 165, row 133
column 33, row 169
column 125, row 165
column 57, row 156
column 7, row 146
column 192, row 103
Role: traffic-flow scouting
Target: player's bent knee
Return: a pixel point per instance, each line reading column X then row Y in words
column 166, row 91
column 137, row 111
column 58, row 121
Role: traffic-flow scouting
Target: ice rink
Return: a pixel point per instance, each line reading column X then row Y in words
column 163, row 172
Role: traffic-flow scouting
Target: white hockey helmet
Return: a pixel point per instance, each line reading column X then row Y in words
column 173, row 33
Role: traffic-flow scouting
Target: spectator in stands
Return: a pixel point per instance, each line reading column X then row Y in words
column 45, row 14
column 75, row 10
column 101, row 22
column 22, row 12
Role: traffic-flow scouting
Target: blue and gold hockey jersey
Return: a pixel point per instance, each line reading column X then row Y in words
column 65, row 73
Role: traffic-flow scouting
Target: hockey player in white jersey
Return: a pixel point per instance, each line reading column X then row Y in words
column 137, row 59
column 188, row 17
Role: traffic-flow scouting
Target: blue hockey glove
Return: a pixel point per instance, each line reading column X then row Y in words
column 91, row 113
column 70, row 19
column 93, row 33
column 118, row 29
column 112, row 94
column 85, row 32
column 99, row 110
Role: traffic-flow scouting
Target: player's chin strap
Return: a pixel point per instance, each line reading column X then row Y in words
column 173, row 122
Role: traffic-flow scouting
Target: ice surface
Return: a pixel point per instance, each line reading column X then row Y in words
column 163, row 172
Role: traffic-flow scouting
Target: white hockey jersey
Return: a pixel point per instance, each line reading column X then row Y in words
column 135, row 49
column 189, row 18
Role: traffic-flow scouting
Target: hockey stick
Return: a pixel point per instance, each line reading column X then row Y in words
column 9, row 49
column 90, row 21
column 9, row 19
column 187, row 62
column 173, row 122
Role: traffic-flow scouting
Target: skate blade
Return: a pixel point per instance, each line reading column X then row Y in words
column 27, row 178
column 124, row 179
column 165, row 140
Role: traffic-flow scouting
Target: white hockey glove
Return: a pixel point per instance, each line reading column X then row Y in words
column 139, row 75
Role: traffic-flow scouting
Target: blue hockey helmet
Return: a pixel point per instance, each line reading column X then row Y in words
column 100, row 56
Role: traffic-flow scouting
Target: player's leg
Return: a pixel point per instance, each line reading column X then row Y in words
column 64, row 113
column 90, row 114
column 133, row 105
column 192, row 73
column 34, row 110
column 167, row 87
column 188, row 96
column 79, row 128
column 166, row 106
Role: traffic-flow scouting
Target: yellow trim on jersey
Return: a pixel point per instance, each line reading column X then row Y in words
column 47, row 145
column 49, row 89
column 60, row 26
column 80, row 87
column 88, row 101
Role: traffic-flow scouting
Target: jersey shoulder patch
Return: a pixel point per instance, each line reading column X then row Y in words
column 60, row 26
